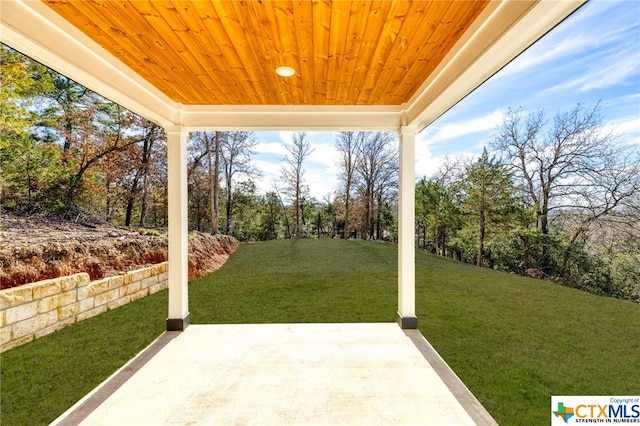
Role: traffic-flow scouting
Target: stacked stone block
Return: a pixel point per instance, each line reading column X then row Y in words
column 34, row 310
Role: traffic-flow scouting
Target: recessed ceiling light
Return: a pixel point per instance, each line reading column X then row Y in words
column 285, row 71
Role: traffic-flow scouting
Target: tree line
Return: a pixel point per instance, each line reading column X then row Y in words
column 67, row 151
column 221, row 173
column 561, row 201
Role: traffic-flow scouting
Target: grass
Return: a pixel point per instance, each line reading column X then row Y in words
column 512, row 340
column 300, row 281
column 41, row 379
column 515, row 341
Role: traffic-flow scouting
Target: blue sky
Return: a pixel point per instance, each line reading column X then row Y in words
column 592, row 56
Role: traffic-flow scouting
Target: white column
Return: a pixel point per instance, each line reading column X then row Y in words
column 179, row 317
column 406, row 230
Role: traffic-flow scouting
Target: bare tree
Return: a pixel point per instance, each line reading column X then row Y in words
column 377, row 170
column 152, row 135
column 348, row 145
column 287, row 225
column 206, row 148
column 213, row 168
column 571, row 163
column 237, row 153
column 226, row 153
column 293, row 175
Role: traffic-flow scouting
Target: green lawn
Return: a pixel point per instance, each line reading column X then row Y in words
column 513, row 341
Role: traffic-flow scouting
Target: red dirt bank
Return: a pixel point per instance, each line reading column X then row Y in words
column 34, row 249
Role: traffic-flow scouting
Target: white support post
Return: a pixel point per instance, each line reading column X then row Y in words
column 406, row 230
column 179, row 316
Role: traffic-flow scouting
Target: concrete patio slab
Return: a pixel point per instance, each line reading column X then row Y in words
column 283, row 374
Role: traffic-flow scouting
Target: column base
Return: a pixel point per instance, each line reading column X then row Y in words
column 178, row 324
column 407, row 322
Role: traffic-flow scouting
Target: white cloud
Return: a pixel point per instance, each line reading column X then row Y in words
column 269, row 170
column 426, row 163
column 325, row 155
column 452, row 130
column 285, row 136
column 627, row 126
column 610, row 76
column 276, row 148
column 610, row 70
column 577, row 38
column 321, row 170
column 545, row 51
column 321, row 183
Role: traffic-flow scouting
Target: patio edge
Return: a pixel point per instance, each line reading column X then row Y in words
column 83, row 408
column 469, row 402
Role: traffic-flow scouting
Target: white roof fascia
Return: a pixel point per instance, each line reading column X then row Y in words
column 469, row 63
column 291, row 117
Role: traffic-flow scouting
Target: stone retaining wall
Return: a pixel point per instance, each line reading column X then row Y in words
column 33, row 310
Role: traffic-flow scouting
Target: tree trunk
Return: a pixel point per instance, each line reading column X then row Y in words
column 298, row 221
column 216, row 186
column 544, row 228
column 297, row 203
column 371, row 218
column 346, row 209
column 228, row 212
column 131, row 198
column 143, row 201
column 379, row 217
column 287, row 226
column 213, row 167
column 436, row 234
column 526, row 256
column 567, row 252
column 129, row 211
column 482, row 223
column 198, row 215
column 444, row 242
column 210, row 182
column 68, row 128
column 229, row 196
column 107, row 207
column 146, row 159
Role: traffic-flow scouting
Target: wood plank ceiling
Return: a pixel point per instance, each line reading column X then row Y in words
column 226, row 52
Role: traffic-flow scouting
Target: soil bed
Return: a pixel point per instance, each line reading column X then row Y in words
column 37, row 248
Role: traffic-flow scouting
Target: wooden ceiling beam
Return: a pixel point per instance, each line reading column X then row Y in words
column 305, row 73
column 237, row 57
column 321, row 36
column 131, row 53
column 337, row 27
column 211, row 61
column 184, row 51
column 291, row 117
